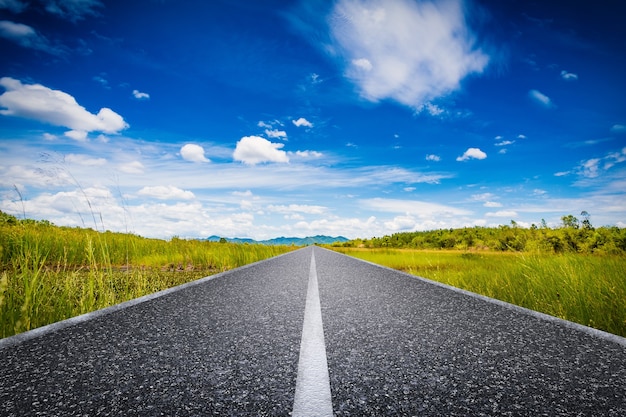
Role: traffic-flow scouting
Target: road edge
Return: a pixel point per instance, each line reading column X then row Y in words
column 542, row 316
column 20, row 338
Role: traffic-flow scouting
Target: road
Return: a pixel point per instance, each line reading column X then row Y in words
column 313, row 332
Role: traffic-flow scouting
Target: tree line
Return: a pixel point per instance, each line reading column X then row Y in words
column 573, row 235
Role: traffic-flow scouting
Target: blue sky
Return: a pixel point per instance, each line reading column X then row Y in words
column 295, row 118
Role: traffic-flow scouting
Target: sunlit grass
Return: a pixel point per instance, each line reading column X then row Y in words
column 48, row 273
column 586, row 289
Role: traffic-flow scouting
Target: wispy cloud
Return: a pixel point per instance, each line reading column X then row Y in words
column 433, row 158
column 140, row 96
column 166, row 192
column 594, row 167
column 27, row 37
column 297, row 208
column 410, row 52
column 16, row 6
column 472, row 153
column 276, row 134
column 541, row 99
column 412, row 207
column 37, row 102
column 618, row 128
column 502, row 213
column 568, row 76
column 73, row 10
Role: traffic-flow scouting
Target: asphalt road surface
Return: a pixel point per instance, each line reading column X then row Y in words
column 310, row 333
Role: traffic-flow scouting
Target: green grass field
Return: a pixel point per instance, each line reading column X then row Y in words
column 50, row 273
column 586, row 289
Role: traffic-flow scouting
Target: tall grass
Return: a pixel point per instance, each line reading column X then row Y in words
column 50, row 273
column 586, row 289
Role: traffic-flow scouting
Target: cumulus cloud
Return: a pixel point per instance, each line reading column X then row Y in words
column 77, row 135
column 472, row 153
column 27, row 37
column 302, row 122
column 541, row 99
column 37, row 102
column 254, row 150
column 140, row 96
column 168, row 192
column 407, row 51
column 193, row 153
column 433, row 157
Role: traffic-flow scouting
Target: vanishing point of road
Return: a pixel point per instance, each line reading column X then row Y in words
column 313, row 333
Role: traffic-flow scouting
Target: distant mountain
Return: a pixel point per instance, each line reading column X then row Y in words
column 297, row 241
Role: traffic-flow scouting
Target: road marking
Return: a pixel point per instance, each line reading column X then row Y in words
column 313, row 383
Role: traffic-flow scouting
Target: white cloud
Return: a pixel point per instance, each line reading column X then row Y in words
column 77, row 135
column 49, row 136
column 434, row 158
column 541, row 99
column 502, row 213
column 168, row 192
column 302, row 122
column 363, row 64
column 134, row 167
column 399, row 223
column 568, row 76
column 246, row 193
column 307, row 154
column 254, row 150
column 276, row 134
column 297, row 208
column 594, row 167
column 420, row 209
column 27, row 37
column 37, row 102
column 492, row 204
column 520, row 136
column 505, row 143
column 410, row 52
column 617, row 128
column 85, row 160
column 140, row 96
column 472, row 153
column 193, row 153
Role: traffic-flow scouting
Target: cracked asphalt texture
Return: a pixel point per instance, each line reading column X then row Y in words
column 396, row 345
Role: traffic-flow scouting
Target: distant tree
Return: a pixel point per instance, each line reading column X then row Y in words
column 586, row 222
column 570, row 222
column 223, row 240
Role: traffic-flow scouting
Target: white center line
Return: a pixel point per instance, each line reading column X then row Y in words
column 313, row 384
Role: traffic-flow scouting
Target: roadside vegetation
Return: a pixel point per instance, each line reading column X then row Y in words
column 50, row 273
column 575, row 272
